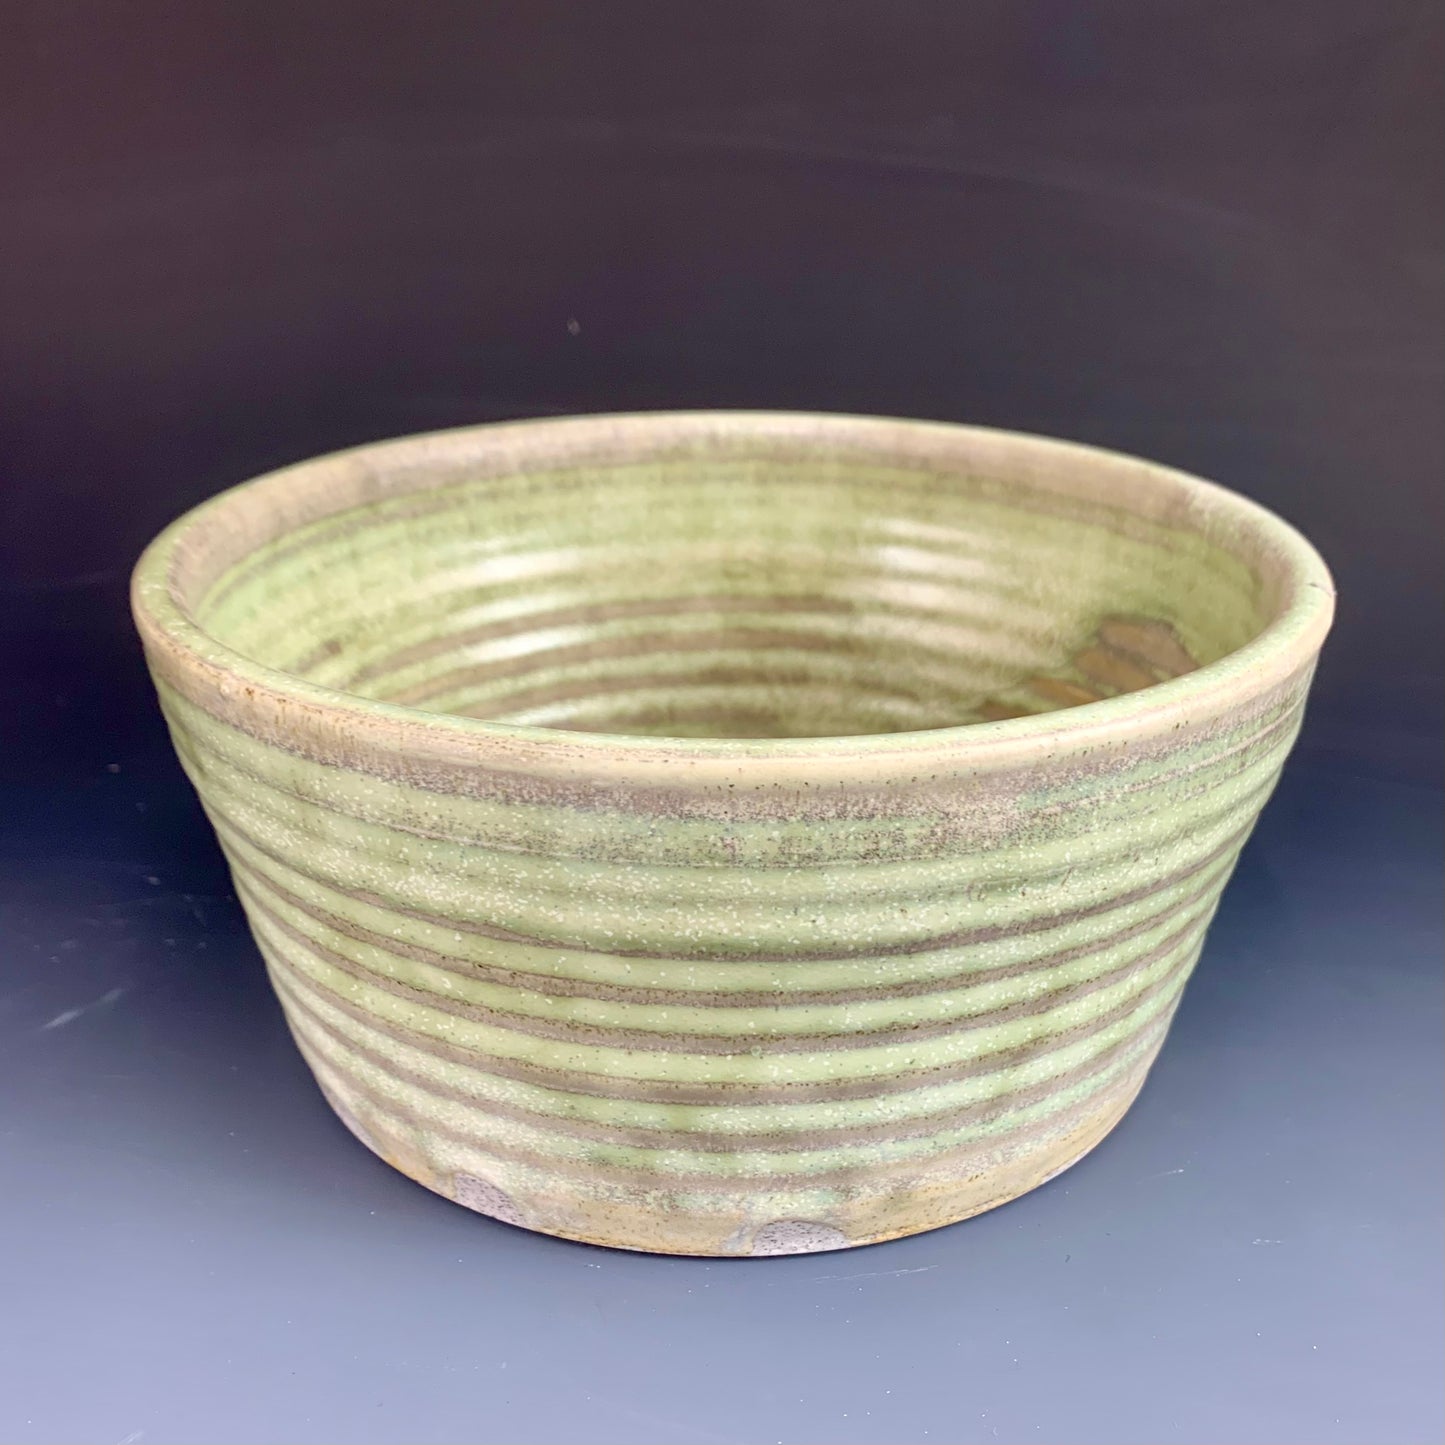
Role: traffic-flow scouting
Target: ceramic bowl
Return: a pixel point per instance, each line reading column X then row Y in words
column 731, row 833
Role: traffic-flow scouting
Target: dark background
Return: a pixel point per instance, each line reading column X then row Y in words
column 235, row 235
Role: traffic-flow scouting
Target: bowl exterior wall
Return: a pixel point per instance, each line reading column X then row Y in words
column 738, row 1009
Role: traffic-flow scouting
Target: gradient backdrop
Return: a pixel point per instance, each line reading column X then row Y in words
column 235, row 235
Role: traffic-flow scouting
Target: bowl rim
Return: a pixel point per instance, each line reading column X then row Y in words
column 185, row 653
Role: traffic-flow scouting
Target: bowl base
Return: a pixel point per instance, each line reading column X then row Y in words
column 865, row 1218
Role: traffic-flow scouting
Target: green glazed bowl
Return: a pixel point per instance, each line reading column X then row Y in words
column 731, row 833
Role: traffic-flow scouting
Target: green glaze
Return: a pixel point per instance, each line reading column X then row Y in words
column 731, row 833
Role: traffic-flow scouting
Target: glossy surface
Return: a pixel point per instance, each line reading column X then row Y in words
column 797, row 982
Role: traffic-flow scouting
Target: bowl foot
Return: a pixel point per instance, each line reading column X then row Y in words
column 744, row 1225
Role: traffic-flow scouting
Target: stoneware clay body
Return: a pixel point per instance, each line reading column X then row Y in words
column 731, row 834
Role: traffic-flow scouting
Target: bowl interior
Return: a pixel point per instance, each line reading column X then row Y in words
column 712, row 591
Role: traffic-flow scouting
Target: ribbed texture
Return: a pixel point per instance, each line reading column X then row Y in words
column 755, row 599
column 734, row 1042
column 713, row 1003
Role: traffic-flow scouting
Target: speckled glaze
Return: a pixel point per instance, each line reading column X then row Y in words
column 731, row 833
